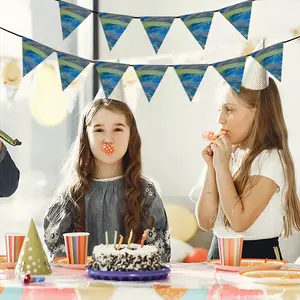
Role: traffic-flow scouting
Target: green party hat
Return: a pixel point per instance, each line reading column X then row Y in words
column 32, row 259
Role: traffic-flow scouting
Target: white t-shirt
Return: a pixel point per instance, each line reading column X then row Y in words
column 270, row 223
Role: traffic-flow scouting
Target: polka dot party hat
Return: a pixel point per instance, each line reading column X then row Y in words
column 32, row 259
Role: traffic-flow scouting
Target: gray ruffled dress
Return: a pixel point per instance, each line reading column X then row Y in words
column 105, row 211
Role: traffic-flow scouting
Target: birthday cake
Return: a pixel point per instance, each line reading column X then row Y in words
column 126, row 258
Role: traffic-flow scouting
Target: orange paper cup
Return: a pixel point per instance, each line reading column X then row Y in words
column 230, row 250
column 76, row 247
column 13, row 245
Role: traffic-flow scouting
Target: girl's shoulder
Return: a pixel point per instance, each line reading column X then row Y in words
column 151, row 189
column 268, row 156
column 269, row 164
column 153, row 201
column 150, row 185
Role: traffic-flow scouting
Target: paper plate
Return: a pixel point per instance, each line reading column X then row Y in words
column 250, row 264
column 63, row 262
column 4, row 264
column 273, row 276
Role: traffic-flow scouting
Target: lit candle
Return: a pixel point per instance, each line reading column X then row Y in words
column 130, row 237
column 120, row 242
column 115, row 239
column 106, row 237
column 143, row 238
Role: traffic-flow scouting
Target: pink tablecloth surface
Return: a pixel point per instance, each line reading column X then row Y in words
column 185, row 282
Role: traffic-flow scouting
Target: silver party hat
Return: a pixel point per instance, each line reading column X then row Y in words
column 255, row 75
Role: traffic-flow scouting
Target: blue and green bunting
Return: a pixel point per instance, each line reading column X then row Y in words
column 232, row 71
column 157, row 28
column 71, row 17
column 110, row 74
column 150, row 77
column 199, row 25
column 70, row 67
column 190, row 77
column 33, row 54
column 113, row 26
column 239, row 16
column 271, row 59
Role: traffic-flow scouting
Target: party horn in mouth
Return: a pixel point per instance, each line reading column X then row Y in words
column 108, row 149
column 212, row 136
column 8, row 139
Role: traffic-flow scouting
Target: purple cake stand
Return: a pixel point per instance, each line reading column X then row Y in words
column 128, row 275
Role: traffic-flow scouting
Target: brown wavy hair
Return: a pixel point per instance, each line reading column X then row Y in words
column 268, row 132
column 80, row 169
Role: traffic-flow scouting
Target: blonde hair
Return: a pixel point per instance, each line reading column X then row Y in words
column 268, row 132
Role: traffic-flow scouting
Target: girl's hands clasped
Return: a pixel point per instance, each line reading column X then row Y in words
column 222, row 150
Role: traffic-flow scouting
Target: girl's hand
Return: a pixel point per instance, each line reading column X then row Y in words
column 207, row 155
column 222, row 150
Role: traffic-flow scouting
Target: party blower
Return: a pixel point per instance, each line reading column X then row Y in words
column 8, row 139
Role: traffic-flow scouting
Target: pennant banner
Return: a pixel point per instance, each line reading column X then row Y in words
column 114, row 26
column 190, row 77
column 157, row 28
column 239, row 16
column 70, row 67
column 271, row 59
column 150, row 77
column 71, row 17
column 110, row 74
column 232, row 71
column 33, row 54
column 199, row 25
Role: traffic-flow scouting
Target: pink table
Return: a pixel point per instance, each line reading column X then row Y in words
column 186, row 282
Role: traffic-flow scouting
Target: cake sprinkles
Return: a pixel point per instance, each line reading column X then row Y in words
column 127, row 258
